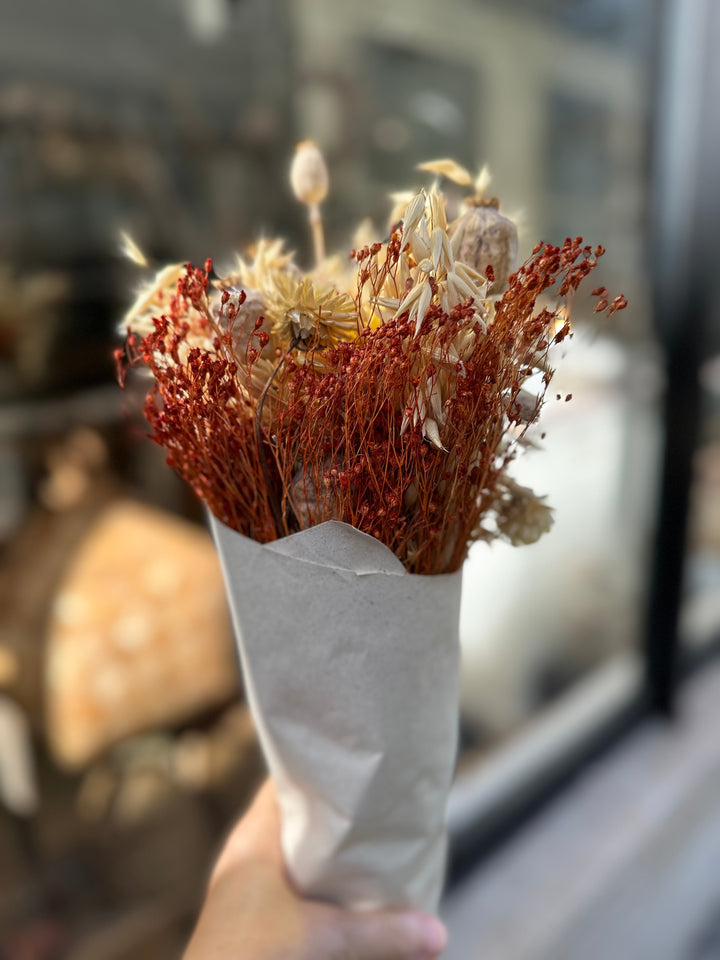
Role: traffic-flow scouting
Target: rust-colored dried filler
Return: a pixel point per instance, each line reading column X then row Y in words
column 389, row 390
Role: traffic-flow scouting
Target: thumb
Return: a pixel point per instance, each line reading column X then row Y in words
column 384, row 936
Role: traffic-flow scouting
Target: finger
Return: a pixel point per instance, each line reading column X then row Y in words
column 383, row 936
column 256, row 836
column 263, row 818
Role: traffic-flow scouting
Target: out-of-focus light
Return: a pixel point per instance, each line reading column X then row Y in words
column 562, row 317
column 710, row 375
column 207, row 19
column 391, row 134
column 437, row 111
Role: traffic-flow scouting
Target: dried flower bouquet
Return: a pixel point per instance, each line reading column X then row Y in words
column 389, row 392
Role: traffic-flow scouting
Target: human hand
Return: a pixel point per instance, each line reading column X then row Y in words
column 251, row 911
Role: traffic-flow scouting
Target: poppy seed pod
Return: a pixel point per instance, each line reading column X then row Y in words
column 309, row 174
column 484, row 237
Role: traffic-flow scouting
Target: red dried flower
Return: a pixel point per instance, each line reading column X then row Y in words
column 396, row 408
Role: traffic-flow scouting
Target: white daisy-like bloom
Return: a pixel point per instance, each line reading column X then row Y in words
column 259, row 272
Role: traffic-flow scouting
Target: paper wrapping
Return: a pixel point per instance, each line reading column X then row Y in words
column 351, row 672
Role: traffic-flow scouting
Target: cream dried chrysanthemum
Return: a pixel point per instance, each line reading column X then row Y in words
column 302, row 315
column 522, row 517
column 260, row 278
column 336, row 271
column 152, row 300
column 268, row 260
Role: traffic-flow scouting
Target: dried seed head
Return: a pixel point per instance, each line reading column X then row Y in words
column 484, row 238
column 522, row 517
column 309, row 174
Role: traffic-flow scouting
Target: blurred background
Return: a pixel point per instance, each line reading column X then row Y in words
column 125, row 745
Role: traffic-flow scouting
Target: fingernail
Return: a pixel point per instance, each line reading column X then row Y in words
column 433, row 934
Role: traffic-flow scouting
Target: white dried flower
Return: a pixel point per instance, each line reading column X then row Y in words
column 152, row 300
column 309, row 174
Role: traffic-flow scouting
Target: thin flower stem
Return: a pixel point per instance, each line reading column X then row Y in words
column 280, row 525
column 318, row 234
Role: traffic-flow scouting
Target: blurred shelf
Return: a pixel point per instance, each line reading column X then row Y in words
column 92, row 407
